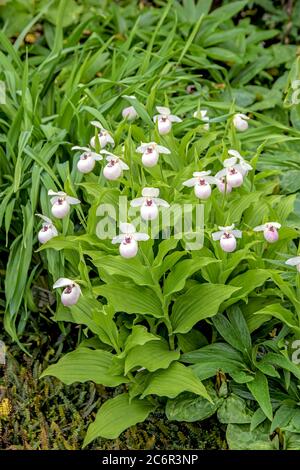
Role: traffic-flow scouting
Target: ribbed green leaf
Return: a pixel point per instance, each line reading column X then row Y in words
column 126, row 297
column 173, row 381
column 116, row 415
column 260, row 390
column 128, row 268
column 85, row 365
column 182, row 270
column 152, row 355
column 199, row 302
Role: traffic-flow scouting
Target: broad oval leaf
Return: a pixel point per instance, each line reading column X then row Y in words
column 199, row 302
column 173, row 381
column 83, row 365
column 152, row 356
column 126, row 297
column 116, row 415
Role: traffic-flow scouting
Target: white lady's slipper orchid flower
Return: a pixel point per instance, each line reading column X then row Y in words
column 61, row 203
column 235, row 168
column 104, row 136
column 240, row 122
column 222, row 183
column 294, row 262
column 243, row 166
column 227, row 237
column 149, row 203
column 151, row 153
column 115, row 166
column 128, row 240
column 164, row 120
column 202, row 183
column 129, row 113
column 71, row 293
column 270, row 230
column 47, row 231
column 202, row 114
column 87, row 159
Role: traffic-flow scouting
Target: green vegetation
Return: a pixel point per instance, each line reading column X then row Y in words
column 192, row 340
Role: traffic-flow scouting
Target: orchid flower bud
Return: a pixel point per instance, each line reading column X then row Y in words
column 129, row 113
column 47, row 231
column 149, row 203
column 129, row 240
column 242, row 166
column 151, row 153
column 227, row 236
column 104, row 136
column 294, row 262
column 71, row 293
column 164, row 120
column 240, row 122
column 270, row 230
column 202, row 184
column 202, row 115
column 61, row 203
column 87, row 159
column 115, row 166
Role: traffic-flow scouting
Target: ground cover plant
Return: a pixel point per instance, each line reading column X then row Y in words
column 149, row 178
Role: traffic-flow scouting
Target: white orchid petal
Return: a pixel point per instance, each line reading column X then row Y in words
column 109, row 139
column 123, row 165
column 150, row 192
column 137, row 202
column 260, row 228
column 229, row 162
column 174, row 118
column 293, row 261
column 162, row 149
column 161, row 202
column 77, row 147
column 142, row 148
column 234, row 153
column 72, row 200
column 163, row 110
column 46, row 219
column 237, row 233
column 242, row 116
column 63, row 282
column 217, row 235
column 274, row 224
column 118, row 239
column 201, row 173
column 127, row 228
column 141, row 237
column 211, row 180
column 96, row 156
column 97, row 124
column 221, row 173
column 227, row 228
column 58, row 193
column 191, row 182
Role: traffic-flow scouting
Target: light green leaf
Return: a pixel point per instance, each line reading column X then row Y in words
column 260, row 390
column 199, row 302
column 83, row 365
column 128, row 268
column 182, row 270
column 116, row 415
column 152, row 356
column 126, row 297
column 173, row 381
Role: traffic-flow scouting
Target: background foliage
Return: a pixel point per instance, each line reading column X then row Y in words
column 66, row 63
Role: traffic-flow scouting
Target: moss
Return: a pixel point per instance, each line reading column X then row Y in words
column 46, row 414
